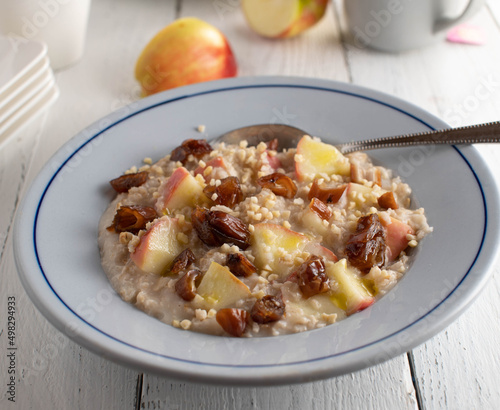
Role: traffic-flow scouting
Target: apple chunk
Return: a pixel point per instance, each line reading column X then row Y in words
column 180, row 190
column 351, row 295
column 396, row 237
column 271, row 243
column 220, row 288
column 314, row 158
column 158, row 247
column 282, row 18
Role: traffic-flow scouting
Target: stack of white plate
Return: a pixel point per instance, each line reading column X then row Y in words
column 27, row 86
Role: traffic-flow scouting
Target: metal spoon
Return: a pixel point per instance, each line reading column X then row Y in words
column 288, row 137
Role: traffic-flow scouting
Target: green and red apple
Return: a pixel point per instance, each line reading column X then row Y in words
column 185, row 52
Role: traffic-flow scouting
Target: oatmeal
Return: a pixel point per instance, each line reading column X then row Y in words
column 257, row 241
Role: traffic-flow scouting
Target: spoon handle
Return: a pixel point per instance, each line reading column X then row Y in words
column 482, row 133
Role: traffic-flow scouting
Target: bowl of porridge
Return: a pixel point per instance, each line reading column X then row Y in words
column 254, row 265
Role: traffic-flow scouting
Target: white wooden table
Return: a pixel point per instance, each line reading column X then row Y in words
column 457, row 369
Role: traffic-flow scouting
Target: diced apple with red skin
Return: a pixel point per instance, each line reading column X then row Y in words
column 274, row 161
column 396, row 239
column 278, row 239
column 315, row 248
column 311, row 219
column 180, row 190
column 217, row 162
column 314, row 158
column 352, row 295
column 158, row 247
column 220, row 288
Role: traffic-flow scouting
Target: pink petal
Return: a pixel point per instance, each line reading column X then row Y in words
column 467, row 34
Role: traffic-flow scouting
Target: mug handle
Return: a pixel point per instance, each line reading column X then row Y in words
column 443, row 24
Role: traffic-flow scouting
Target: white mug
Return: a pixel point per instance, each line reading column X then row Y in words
column 61, row 24
column 399, row 25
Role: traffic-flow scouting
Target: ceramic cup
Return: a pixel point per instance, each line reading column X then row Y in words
column 399, row 25
column 61, row 24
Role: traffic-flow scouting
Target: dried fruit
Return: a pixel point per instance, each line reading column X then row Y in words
column 367, row 246
column 239, row 265
column 387, row 201
column 268, row 309
column 279, row 184
column 312, row 278
column 329, row 195
column 196, row 148
column 127, row 181
column 233, row 321
column 182, row 261
column 320, row 209
column 272, row 145
column 132, row 218
column 228, row 193
column 215, row 228
column 186, row 286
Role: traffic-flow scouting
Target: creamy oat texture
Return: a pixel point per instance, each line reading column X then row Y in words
column 283, row 234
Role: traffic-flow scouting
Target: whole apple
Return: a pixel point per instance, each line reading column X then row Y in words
column 185, row 52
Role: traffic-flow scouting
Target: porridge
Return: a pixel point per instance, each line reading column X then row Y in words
column 256, row 241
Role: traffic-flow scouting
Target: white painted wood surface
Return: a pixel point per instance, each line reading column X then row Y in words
column 457, row 369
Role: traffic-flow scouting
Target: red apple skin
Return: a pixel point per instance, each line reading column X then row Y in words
column 310, row 16
column 395, row 239
column 366, row 303
column 217, row 162
column 185, row 52
column 158, row 247
column 320, row 250
column 181, row 184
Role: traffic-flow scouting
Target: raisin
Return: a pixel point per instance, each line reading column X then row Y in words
column 279, row 184
column 132, row 218
column 312, row 278
column 215, row 228
column 127, row 181
column 182, row 261
column 268, row 309
column 320, row 209
column 185, row 287
column 196, row 148
column 367, row 246
column 326, row 194
column 228, row 193
column 233, row 321
column 239, row 265
column 387, row 201
column 229, row 229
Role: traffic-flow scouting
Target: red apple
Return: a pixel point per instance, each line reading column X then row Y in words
column 396, row 240
column 180, row 190
column 279, row 19
column 217, row 162
column 158, row 247
column 185, row 52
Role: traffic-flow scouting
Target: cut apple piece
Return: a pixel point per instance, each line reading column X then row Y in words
column 220, row 288
column 361, row 194
column 351, row 295
column 282, row 18
column 180, row 190
column 314, row 158
column 311, row 220
column 272, row 243
column 315, row 248
column 217, row 162
column 396, row 237
column 158, row 247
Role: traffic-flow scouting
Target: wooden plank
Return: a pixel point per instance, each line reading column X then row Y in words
column 53, row 372
column 317, row 54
